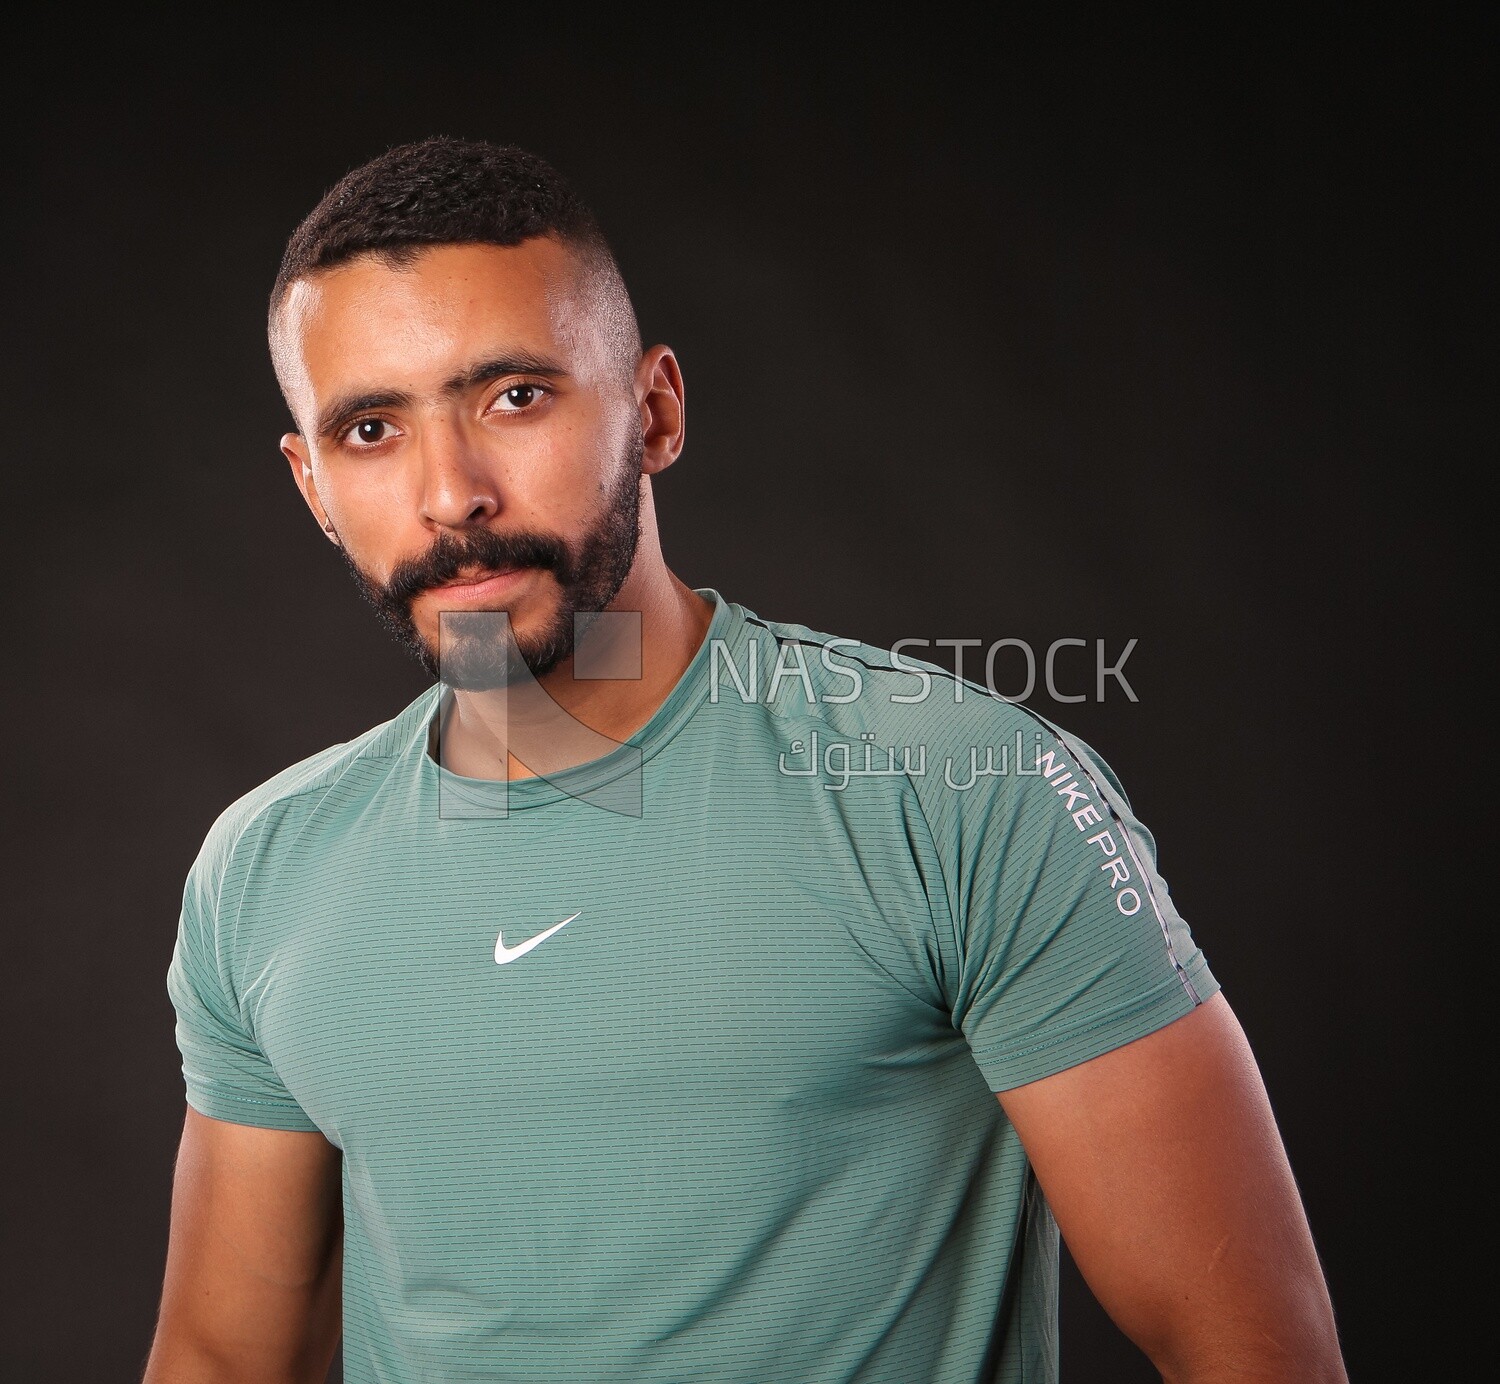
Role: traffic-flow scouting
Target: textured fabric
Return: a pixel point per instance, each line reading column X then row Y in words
column 735, row 1120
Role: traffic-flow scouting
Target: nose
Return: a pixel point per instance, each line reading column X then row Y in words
column 457, row 487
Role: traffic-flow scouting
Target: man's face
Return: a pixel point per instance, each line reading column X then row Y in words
column 463, row 417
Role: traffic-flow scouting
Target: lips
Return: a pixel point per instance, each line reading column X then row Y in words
column 476, row 585
column 473, row 576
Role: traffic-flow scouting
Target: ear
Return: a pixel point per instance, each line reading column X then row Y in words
column 294, row 449
column 659, row 392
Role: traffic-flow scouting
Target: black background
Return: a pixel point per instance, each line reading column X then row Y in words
column 1094, row 332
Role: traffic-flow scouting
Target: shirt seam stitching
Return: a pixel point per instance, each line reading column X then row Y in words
column 1164, row 989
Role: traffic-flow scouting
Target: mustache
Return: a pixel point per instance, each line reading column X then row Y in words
column 482, row 548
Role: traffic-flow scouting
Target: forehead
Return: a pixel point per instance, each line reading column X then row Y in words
column 367, row 322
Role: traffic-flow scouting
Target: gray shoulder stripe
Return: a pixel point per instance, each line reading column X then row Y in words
column 1166, row 932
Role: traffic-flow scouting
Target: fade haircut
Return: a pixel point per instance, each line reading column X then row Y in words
column 445, row 191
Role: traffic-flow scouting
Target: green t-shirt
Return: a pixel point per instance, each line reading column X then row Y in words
column 733, row 1119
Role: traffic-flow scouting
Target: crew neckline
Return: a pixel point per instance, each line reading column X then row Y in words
column 490, row 797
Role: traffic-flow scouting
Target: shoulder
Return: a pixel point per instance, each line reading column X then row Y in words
column 949, row 734
column 300, row 784
column 851, row 684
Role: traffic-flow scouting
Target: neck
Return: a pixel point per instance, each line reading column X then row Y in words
column 603, row 693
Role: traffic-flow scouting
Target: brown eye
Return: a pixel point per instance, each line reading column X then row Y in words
column 368, row 431
column 518, row 397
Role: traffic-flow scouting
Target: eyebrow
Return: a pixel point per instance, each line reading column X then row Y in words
column 341, row 410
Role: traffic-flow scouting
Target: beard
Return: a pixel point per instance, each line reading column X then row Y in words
column 479, row 649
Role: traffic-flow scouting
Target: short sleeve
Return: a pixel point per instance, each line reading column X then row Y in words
column 227, row 1076
column 1068, row 943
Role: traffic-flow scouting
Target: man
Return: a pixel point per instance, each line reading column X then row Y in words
column 667, row 993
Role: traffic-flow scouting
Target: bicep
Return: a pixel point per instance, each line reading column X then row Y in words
column 1164, row 1168
column 255, row 1248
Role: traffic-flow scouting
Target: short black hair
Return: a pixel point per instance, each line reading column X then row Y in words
column 445, row 191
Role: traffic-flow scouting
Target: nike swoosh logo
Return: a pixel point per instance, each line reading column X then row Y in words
column 504, row 953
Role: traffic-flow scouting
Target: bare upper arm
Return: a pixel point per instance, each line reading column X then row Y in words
column 1165, row 1170
column 254, row 1254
